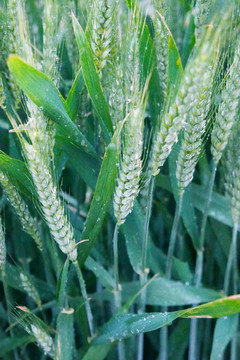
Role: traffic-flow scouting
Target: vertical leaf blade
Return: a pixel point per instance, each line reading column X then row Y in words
column 92, row 80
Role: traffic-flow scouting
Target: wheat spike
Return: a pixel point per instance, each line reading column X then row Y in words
column 29, row 224
column 228, row 109
column 232, row 170
column 200, row 96
column 3, row 251
column 30, row 289
column 127, row 187
column 161, row 44
column 53, row 211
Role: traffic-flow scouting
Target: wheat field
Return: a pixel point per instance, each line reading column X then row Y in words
column 119, row 179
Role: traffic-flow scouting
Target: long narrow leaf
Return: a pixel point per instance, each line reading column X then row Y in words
column 92, row 80
column 101, row 199
column 124, row 326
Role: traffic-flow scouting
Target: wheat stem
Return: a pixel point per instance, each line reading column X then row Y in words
column 144, row 270
column 199, row 265
column 231, row 263
column 85, row 296
column 117, row 290
column 173, row 237
column 163, row 353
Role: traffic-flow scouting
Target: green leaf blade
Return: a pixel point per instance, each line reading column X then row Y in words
column 39, row 88
column 92, row 80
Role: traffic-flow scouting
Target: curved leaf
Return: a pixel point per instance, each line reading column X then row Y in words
column 39, row 88
column 127, row 325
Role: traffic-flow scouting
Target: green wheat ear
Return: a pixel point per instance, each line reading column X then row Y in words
column 102, row 33
column 161, row 43
column 130, row 166
column 29, row 224
column 227, row 113
column 35, row 327
column 201, row 12
column 3, row 251
column 232, row 170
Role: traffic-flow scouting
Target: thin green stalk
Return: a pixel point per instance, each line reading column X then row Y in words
column 8, row 302
column 192, row 355
column 232, row 265
column 144, row 272
column 173, row 237
column 117, row 289
column 117, row 293
column 85, row 296
column 163, row 353
column 231, row 261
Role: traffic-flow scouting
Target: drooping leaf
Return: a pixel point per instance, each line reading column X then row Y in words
column 18, row 174
column 127, row 325
column 39, row 88
column 92, row 80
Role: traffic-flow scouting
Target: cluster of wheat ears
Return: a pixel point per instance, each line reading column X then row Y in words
column 120, row 159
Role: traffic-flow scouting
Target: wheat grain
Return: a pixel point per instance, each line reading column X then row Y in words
column 102, row 29
column 43, row 340
column 12, row 44
column 161, row 44
column 201, row 12
column 196, row 75
column 228, row 108
column 53, row 211
column 199, row 100
column 3, row 251
column 127, row 187
column 29, row 224
column 30, row 289
column 2, row 93
column 232, row 170
column 50, row 40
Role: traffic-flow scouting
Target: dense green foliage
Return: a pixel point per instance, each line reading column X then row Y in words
column 119, row 179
